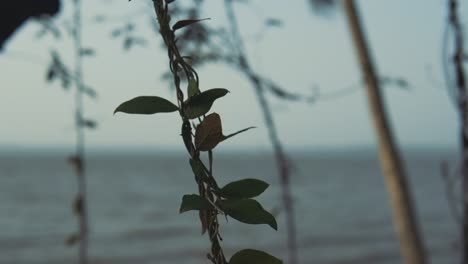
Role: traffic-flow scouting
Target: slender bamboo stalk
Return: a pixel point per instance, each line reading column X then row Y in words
column 392, row 166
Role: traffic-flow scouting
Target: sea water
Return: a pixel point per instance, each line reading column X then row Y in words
column 342, row 208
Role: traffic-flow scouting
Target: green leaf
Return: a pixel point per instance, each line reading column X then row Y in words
column 209, row 133
column 192, row 88
column 246, row 188
column 252, row 256
column 248, row 211
column 184, row 23
column 200, row 104
column 146, row 105
column 194, row 202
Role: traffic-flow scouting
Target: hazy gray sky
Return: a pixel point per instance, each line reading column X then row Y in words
column 405, row 37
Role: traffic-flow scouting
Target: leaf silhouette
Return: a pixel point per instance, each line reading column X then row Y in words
column 252, row 256
column 146, row 105
column 246, row 188
column 200, row 104
column 183, row 23
column 194, row 202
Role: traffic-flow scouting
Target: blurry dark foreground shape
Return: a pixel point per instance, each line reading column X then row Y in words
column 14, row 12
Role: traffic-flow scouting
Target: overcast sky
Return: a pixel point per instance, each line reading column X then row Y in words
column 405, row 37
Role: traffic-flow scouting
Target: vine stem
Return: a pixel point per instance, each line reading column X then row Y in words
column 280, row 155
column 80, row 136
column 208, row 218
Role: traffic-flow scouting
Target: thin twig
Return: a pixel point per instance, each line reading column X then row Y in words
column 80, row 136
column 449, row 180
column 460, row 90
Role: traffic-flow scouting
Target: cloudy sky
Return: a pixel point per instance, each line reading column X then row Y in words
column 307, row 51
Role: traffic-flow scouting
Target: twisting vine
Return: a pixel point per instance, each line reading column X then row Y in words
column 234, row 199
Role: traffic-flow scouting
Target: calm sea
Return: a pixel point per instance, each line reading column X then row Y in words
column 343, row 213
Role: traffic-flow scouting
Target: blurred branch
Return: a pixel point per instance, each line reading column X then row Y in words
column 80, row 120
column 323, row 7
column 282, row 160
column 59, row 70
column 449, row 178
column 456, row 84
column 447, row 74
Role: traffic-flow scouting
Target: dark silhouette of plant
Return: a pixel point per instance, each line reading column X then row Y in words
column 60, row 71
column 392, row 166
column 15, row 13
column 204, row 44
column 456, row 84
column 234, row 199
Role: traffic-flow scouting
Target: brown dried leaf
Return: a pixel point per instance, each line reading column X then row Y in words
column 209, row 133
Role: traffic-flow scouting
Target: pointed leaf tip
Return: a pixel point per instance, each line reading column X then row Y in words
column 238, row 132
column 146, row 105
column 184, row 23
